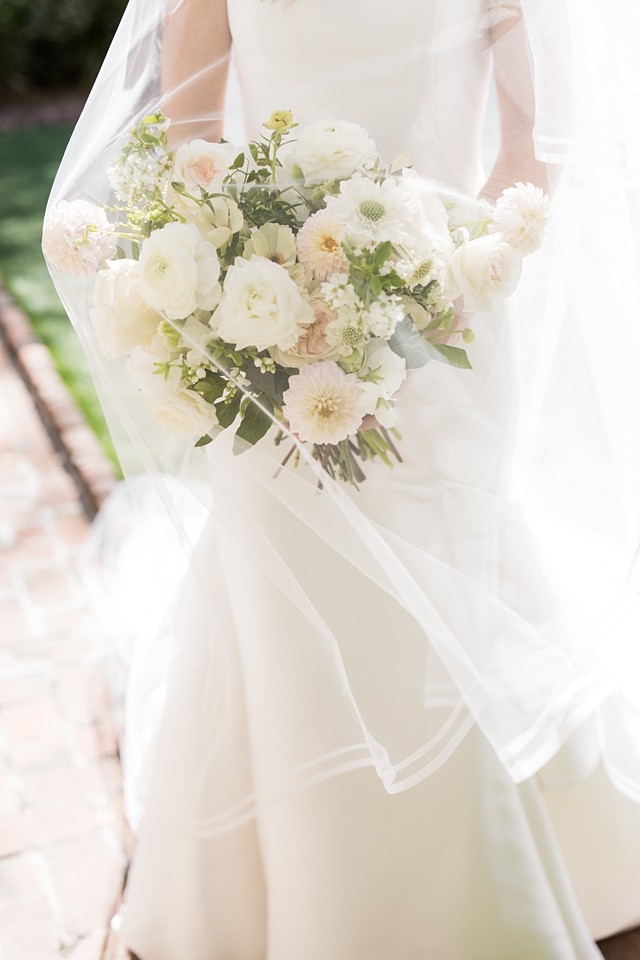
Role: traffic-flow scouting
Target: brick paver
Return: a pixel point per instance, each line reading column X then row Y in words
column 61, row 829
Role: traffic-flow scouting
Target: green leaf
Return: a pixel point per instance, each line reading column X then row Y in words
column 272, row 385
column 227, row 412
column 211, row 388
column 203, row 441
column 383, row 252
column 255, row 422
column 408, row 343
column 455, row 356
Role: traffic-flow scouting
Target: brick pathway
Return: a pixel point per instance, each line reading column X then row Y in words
column 61, row 826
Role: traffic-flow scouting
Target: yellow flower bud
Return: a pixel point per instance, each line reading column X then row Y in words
column 281, row 120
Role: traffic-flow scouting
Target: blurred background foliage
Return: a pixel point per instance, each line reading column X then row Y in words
column 53, row 44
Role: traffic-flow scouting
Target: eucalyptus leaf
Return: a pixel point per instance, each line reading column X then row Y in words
column 408, row 343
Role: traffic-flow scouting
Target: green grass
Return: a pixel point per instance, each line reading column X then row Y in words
column 28, row 163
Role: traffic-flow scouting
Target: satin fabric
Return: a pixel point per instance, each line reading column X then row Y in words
column 464, row 863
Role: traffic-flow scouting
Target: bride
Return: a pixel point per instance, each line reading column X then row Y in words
column 401, row 721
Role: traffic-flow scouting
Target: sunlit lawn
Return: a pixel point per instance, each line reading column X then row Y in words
column 28, row 163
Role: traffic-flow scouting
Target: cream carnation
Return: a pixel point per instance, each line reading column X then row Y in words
column 120, row 317
column 323, row 404
column 76, row 238
column 320, row 245
column 261, row 306
column 332, row 150
column 179, row 271
column 483, row 271
column 521, row 216
column 312, row 344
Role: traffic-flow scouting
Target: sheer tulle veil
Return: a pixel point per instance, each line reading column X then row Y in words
column 561, row 522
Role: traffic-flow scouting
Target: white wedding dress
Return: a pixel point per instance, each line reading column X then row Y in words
column 460, row 864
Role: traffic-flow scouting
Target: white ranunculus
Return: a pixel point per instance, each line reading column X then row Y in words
column 333, row 150
column 483, row 271
column 179, row 271
column 172, row 404
column 76, row 237
column 120, row 317
column 261, row 306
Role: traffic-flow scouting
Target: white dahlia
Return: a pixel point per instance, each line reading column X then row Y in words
column 521, row 216
column 323, row 404
column 320, row 245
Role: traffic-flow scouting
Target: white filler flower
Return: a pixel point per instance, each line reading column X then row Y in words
column 332, row 150
column 179, row 271
column 261, row 306
column 521, row 216
column 323, row 404
column 75, row 237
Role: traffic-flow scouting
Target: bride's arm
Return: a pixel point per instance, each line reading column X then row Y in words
column 516, row 101
column 195, row 61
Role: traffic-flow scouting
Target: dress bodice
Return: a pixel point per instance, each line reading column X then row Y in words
column 414, row 73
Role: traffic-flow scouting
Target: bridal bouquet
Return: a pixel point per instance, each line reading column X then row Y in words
column 293, row 282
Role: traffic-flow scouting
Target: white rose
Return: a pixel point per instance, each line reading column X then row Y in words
column 312, row 344
column 179, row 271
column 172, row 404
column 120, row 317
column 261, row 306
column 483, row 271
column 76, row 237
column 333, row 150
column 201, row 165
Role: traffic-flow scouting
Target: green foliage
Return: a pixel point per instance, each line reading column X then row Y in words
column 28, row 162
column 54, row 43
